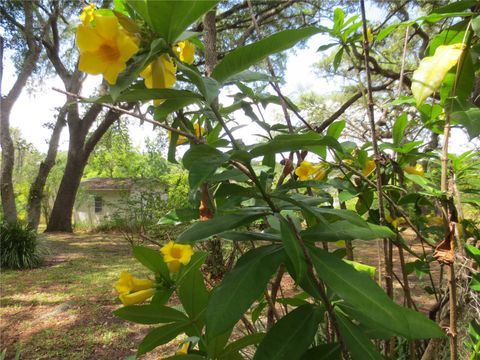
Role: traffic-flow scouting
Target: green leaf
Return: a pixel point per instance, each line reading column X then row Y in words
column 338, row 19
column 197, row 260
column 217, row 225
column 152, row 260
column 473, row 252
column 399, row 129
column 337, row 59
column 194, row 296
column 140, row 7
column 451, row 35
column 201, row 161
column 160, row 336
column 168, row 106
column 243, row 57
column 345, row 230
column 361, row 294
column 241, row 287
column 171, row 18
column 475, row 283
column 249, row 235
column 387, row 31
column 456, row 6
column 370, row 270
column 291, row 335
column 186, row 357
column 293, row 249
column 292, row 142
column 358, row 345
column 335, row 129
column 468, row 115
column 207, row 86
column 178, row 216
column 161, row 296
column 150, row 314
column 241, row 343
column 323, row 352
column 249, row 76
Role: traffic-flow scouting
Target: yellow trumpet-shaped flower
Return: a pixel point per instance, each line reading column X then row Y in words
column 128, row 283
column 183, row 349
column 415, row 170
column 133, row 290
column 87, row 14
column 175, row 255
column 185, row 51
column 396, row 222
column 137, row 297
column 369, row 167
column 160, row 74
column 308, row 171
column 105, row 48
column 183, row 140
column 305, row 170
column 433, row 220
column 320, row 175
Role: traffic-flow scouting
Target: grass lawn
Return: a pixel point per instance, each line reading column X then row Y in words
column 63, row 310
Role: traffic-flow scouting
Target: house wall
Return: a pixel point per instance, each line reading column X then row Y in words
column 85, row 214
column 113, row 201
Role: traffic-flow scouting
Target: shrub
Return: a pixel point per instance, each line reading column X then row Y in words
column 18, row 247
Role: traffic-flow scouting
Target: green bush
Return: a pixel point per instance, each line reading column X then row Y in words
column 18, row 247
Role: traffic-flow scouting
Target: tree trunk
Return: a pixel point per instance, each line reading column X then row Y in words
column 61, row 216
column 8, row 196
column 6, row 104
column 37, row 188
column 8, row 153
column 79, row 149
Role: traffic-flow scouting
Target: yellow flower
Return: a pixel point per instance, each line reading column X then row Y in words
column 308, row 171
column 105, row 48
column 305, row 170
column 87, row 14
column 433, row 220
column 321, row 173
column 185, row 51
column 184, row 349
column 340, row 243
column 160, row 74
column 183, row 140
column 396, row 222
column 136, row 297
column 369, row 167
column 133, row 290
column 415, row 170
column 176, row 254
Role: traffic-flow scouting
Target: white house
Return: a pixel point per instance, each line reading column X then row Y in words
column 101, row 198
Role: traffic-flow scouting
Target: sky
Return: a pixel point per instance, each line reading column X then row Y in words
column 37, row 106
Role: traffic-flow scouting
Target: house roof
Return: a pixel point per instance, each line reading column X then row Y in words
column 107, row 184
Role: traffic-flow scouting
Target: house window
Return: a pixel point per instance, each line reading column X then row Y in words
column 98, row 204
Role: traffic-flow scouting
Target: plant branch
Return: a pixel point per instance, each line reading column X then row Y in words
column 140, row 116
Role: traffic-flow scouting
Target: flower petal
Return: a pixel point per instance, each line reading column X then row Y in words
column 111, row 72
column 87, row 38
column 136, row 297
column 107, row 27
column 91, row 63
column 127, row 46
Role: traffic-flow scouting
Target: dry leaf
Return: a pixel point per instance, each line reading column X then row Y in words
column 432, row 70
column 445, row 251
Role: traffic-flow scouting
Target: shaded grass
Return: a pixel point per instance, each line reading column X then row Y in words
column 63, row 310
